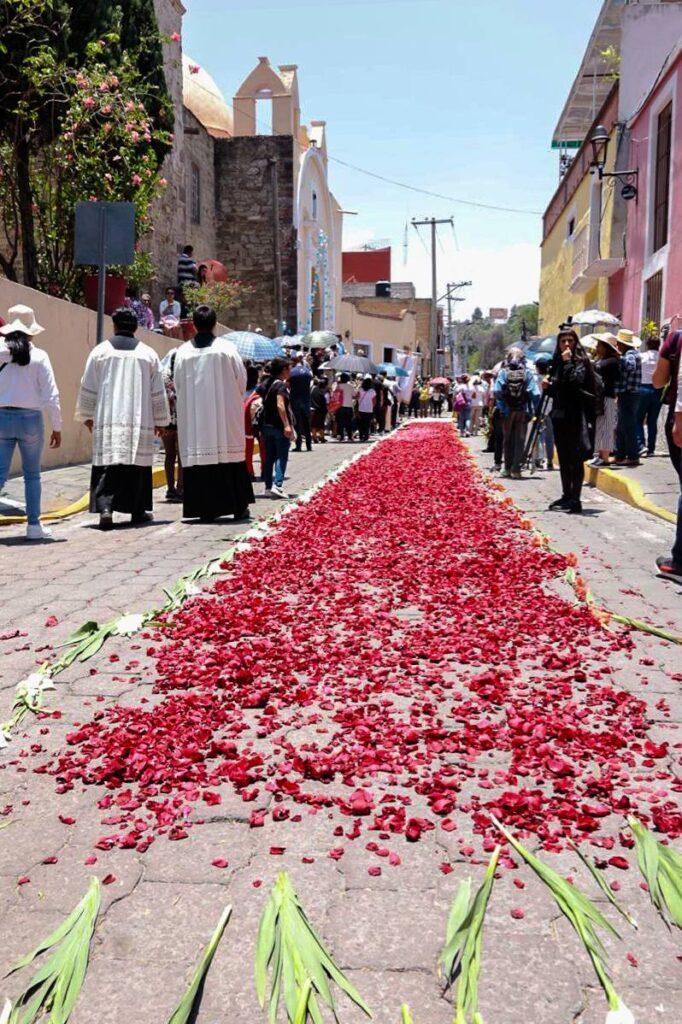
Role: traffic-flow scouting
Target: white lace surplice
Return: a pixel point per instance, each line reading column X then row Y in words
column 210, row 384
column 123, row 393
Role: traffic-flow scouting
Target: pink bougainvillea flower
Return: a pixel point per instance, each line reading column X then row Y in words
column 220, row 862
column 108, row 879
column 517, row 913
column 24, row 880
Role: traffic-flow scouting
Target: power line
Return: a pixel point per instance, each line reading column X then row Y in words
column 435, row 195
column 401, row 184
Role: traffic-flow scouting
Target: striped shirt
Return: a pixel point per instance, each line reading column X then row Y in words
column 187, row 269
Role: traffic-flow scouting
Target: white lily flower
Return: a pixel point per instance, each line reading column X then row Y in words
column 6, row 1010
column 4, row 735
column 30, row 688
column 191, row 589
column 129, row 624
column 620, row 1015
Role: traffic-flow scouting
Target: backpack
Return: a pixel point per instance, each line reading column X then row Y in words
column 515, row 387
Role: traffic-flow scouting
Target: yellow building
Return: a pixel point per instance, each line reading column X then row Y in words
column 582, row 253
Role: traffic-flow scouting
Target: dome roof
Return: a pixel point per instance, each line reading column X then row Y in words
column 204, row 99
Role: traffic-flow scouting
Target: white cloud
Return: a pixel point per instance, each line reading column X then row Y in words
column 501, row 276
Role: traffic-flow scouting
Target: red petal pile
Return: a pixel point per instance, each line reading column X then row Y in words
column 393, row 651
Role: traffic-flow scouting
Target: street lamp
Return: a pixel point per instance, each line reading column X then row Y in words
column 599, row 140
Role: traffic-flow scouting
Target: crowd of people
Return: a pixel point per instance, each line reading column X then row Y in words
column 595, row 398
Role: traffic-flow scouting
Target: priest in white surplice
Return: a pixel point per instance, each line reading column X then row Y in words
column 210, row 382
column 122, row 400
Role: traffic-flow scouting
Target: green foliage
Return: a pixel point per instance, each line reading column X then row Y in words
column 461, row 955
column 56, row 985
column 186, row 1009
column 85, row 114
column 661, row 867
column 526, row 314
column 580, row 911
column 301, row 968
column 223, row 296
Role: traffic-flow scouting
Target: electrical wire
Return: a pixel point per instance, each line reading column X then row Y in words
column 401, row 184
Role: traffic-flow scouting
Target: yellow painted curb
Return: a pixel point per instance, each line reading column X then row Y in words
column 81, row 505
column 625, row 489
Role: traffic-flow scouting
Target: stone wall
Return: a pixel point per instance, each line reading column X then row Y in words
column 168, row 213
column 198, row 149
column 245, row 225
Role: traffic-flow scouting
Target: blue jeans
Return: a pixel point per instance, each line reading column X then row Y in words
column 276, row 455
column 626, row 430
column 649, row 408
column 23, row 427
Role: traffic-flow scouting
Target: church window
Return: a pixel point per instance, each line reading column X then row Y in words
column 195, row 206
column 314, row 205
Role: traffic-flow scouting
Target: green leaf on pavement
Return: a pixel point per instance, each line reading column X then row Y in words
column 578, row 908
column 661, row 867
column 300, row 966
column 190, row 1001
column 55, row 987
column 461, row 955
column 603, row 885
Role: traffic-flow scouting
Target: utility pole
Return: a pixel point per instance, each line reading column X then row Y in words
column 433, row 331
column 452, row 331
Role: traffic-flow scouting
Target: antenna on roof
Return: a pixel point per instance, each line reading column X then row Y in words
column 406, row 243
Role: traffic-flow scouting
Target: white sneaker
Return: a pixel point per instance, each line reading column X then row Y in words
column 36, row 531
column 277, row 492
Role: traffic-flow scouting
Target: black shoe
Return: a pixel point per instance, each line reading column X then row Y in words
column 240, row 517
column 142, row 517
column 575, row 508
column 668, row 569
column 309, row 448
column 106, row 521
column 559, row 503
column 297, row 449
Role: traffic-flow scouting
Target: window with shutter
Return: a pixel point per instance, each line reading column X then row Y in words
column 662, row 177
column 653, row 298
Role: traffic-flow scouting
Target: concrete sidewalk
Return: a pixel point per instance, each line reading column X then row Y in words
column 655, row 480
column 61, row 487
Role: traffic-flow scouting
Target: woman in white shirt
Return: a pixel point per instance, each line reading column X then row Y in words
column 27, row 387
column 366, row 399
column 478, row 393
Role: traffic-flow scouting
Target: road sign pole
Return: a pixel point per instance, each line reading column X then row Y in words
column 102, row 277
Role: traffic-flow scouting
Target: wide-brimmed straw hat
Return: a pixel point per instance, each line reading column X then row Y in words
column 626, row 337
column 23, row 319
column 608, row 339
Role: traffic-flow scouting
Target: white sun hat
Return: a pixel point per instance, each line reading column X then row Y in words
column 22, row 318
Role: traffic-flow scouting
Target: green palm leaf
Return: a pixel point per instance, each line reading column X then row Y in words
column 580, row 911
column 601, row 882
column 661, row 867
column 192, row 997
column 301, row 968
column 461, row 955
column 56, row 985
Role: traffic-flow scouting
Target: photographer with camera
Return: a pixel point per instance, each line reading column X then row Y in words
column 573, row 388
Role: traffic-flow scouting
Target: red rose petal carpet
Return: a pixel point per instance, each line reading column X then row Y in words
column 395, row 652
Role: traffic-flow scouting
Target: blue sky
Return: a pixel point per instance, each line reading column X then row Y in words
column 455, row 96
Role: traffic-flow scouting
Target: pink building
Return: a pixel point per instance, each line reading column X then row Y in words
column 651, row 108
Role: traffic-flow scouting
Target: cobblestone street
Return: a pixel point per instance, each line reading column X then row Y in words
column 385, row 930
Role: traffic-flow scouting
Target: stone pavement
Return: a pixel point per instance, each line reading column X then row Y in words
column 385, row 931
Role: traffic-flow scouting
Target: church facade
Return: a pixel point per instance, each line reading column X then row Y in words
column 250, row 189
